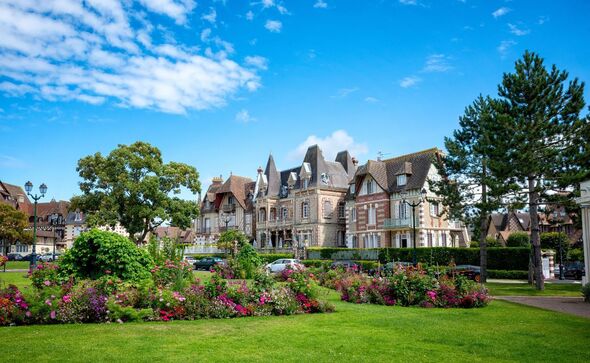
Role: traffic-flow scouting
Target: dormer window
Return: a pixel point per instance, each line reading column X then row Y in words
column 352, row 188
column 401, row 180
column 230, row 200
column 305, row 183
column 370, row 186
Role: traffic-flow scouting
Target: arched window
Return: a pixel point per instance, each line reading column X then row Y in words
column 305, row 210
column 273, row 214
column 262, row 215
column 328, row 209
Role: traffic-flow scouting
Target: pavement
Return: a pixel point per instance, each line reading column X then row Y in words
column 569, row 305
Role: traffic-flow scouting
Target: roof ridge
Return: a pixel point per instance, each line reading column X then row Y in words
column 426, row 151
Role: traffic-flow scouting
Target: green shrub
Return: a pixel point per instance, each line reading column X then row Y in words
column 492, row 242
column 316, row 263
column 474, row 244
column 508, row 274
column 552, row 240
column 575, row 254
column 99, row 253
column 519, row 239
column 367, row 265
column 247, row 261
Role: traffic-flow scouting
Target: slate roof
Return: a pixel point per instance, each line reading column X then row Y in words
column 235, row 185
column 415, row 166
column 183, row 235
column 501, row 220
column 210, row 196
column 340, row 172
column 9, row 195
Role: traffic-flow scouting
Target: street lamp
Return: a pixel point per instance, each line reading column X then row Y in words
column 404, row 194
column 42, row 191
column 226, row 218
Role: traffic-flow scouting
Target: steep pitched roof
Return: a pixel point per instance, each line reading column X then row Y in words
column 273, row 177
column 11, row 193
column 377, row 170
column 235, row 185
column 415, row 166
column 315, row 158
column 183, row 235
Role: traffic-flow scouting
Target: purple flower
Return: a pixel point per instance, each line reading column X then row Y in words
column 52, row 314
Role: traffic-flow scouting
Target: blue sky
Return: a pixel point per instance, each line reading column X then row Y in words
column 220, row 84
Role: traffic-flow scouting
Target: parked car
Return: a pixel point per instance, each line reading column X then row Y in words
column 48, row 257
column 279, row 266
column 470, row 271
column 207, row 263
column 190, row 260
column 14, row 257
column 347, row 264
column 574, row 270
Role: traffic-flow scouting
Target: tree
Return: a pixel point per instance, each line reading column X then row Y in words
column 518, row 239
column 13, row 227
column 232, row 240
column 542, row 116
column 134, row 187
column 469, row 191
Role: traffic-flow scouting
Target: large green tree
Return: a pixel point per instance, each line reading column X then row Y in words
column 540, row 109
column 134, row 187
column 13, row 227
column 468, row 188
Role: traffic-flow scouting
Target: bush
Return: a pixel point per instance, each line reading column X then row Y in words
column 575, row 254
column 508, row 274
column 492, row 242
column 474, row 244
column 99, row 253
column 271, row 257
column 46, row 274
column 519, row 239
column 248, row 261
column 552, row 240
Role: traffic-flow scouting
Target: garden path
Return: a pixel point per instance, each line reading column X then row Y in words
column 568, row 305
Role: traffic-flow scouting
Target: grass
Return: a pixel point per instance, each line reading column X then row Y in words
column 19, row 279
column 524, row 289
column 501, row 332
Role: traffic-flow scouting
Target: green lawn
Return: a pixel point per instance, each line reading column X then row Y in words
column 17, row 265
column 19, row 279
column 501, row 332
column 524, row 289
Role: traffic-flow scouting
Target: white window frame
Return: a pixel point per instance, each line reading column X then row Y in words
column 353, row 212
column 370, row 187
column 305, row 210
column 402, row 180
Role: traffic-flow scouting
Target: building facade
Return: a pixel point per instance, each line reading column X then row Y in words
column 377, row 215
column 304, row 205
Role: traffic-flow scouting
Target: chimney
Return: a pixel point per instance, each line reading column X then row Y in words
column 217, row 180
column 355, row 162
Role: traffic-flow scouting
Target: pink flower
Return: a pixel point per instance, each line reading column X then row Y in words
column 48, row 302
column 47, row 283
column 28, row 314
column 52, row 314
column 67, row 298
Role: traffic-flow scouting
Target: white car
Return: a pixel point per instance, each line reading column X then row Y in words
column 282, row 264
column 190, row 260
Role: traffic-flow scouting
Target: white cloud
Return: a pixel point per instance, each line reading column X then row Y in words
column 343, row 92
column 268, row 3
column 257, row 61
column 211, row 16
column 542, row 20
column 320, row 4
column 338, row 141
column 505, row 46
column 371, row 99
column 250, row 15
column 89, row 52
column 274, row 26
column 437, row 63
column 409, row 81
column 243, row 116
column 178, row 10
column 408, row 2
column 517, row 31
column 501, row 12
column 205, row 34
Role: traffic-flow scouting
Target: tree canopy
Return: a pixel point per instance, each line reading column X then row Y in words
column 134, row 187
column 13, row 226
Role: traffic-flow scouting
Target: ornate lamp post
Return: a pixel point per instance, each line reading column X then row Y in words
column 42, row 191
column 422, row 198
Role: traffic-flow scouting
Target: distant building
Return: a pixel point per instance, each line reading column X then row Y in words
column 377, row 215
column 303, row 205
column 184, row 236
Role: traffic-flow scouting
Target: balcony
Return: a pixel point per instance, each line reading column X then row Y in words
column 228, row 208
column 396, row 223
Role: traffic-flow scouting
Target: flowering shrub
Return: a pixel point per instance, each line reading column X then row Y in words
column 407, row 287
column 3, row 260
column 94, row 301
column 172, row 274
column 45, row 275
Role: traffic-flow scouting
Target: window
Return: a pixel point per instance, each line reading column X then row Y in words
column 372, row 215
column 341, row 211
column 328, row 209
column 403, row 210
column 305, row 183
column 262, row 215
column 370, row 186
column 284, row 213
column 434, row 209
column 401, row 180
column 273, row 214
column 429, row 235
column 404, row 241
column 230, row 199
column 352, row 188
column 444, row 239
column 22, row 248
column 353, row 212
column 305, row 210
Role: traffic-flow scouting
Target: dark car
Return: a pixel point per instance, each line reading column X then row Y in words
column 347, row 264
column 14, row 257
column 390, row 266
column 470, row 271
column 574, row 270
column 207, row 263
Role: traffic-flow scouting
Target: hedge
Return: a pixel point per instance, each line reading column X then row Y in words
column 508, row 274
column 499, row 258
column 271, row 257
column 364, row 264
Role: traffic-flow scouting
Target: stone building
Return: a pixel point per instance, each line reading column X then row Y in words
column 377, row 215
column 226, row 205
column 304, row 205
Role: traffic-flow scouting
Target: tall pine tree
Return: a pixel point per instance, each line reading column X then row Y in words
column 541, row 114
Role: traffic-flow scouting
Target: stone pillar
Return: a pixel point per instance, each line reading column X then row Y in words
column 584, row 202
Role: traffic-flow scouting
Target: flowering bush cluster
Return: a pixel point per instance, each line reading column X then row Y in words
column 94, row 301
column 46, row 274
column 407, row 287
column 172, row 274
column 3, row 260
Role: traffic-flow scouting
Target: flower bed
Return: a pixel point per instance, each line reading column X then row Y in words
column 407, row 287
column 162, row 298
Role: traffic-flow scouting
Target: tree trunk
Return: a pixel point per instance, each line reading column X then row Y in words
column 535, row 238
column 483, row 251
